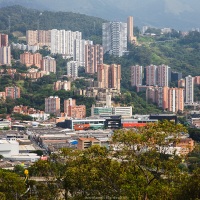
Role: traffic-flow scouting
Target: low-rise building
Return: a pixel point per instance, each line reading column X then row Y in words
column 85, row 143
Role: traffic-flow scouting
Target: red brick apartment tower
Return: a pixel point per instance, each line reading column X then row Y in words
column 3, row 40
column 12, row 92
column 93, row 57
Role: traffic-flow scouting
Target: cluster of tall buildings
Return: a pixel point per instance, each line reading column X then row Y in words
column 169, row 99
column 151, row 75
column 52, row 106
column 155, row 80
column 66, row 42
column 47, row 63
column 5, row 51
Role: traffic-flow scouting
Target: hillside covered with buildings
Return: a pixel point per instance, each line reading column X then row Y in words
column 94, row 108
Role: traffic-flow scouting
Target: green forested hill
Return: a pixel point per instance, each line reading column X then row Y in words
column 22, row 19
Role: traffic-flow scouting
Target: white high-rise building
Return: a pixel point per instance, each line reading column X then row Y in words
column 62, row 42
column 115, row 38
column 136, row 75
column 189, row 90
column 79, row 51
column 5, row 55
column 72, row 69
column 58, row 41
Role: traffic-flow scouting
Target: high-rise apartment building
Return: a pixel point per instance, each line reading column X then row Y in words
column 29, row 59
column 72, row 69
column 157, row 75
column 48, row 64
column 12, row 92
column 79, row 50
column 38, row 37
column 32, row 37
column 3, row 40
column 5, row 55
column 151, row 75
column 62, row 42
column 163, row 76
column 114, row 38
column 175, row 100
column 130, row 35
column 62, row 85
column 73, row 110
column 109, row 76
column 136, row 75
column 52, row 105
column 170, row 99
column 93, row 58
column 189, row 90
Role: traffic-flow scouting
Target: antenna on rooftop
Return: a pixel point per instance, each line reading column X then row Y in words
column 8, row 23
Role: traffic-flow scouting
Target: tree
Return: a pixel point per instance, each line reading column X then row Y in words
column 150, row 170
column 138, row 166
column 11, row 185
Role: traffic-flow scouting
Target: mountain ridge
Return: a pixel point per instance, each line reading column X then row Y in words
column 177, row 14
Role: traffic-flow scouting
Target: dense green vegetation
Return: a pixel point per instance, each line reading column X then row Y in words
column 23, row 19
column 132, row 172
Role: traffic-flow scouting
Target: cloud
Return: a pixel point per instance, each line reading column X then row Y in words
column 176, row 7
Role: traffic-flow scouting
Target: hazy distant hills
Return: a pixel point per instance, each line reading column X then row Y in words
column 178, row 14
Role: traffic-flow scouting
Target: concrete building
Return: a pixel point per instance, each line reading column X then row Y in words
column 73, row 110
column 72, row 69
column 151, row 75
column 3, row 40
column 189, row 90
column 5, row 55
column 52, row 105
column 130, row 33
column 9, row 148
column 181, row 83
column 12, row 92
column 163, row 76
column 125, row 112
column 93, row 58
column 62, row 85
column 31, row 59
column 187, row 145
column 197, row 80
column 157, row 75
column 48, row 64
column 62, row 42
column 32, row 37
column 85, row 143
column 114, row 38
column 136, row 75
column 109, row 76
column 170, row 99
column 79, row 51
column 175, row 100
